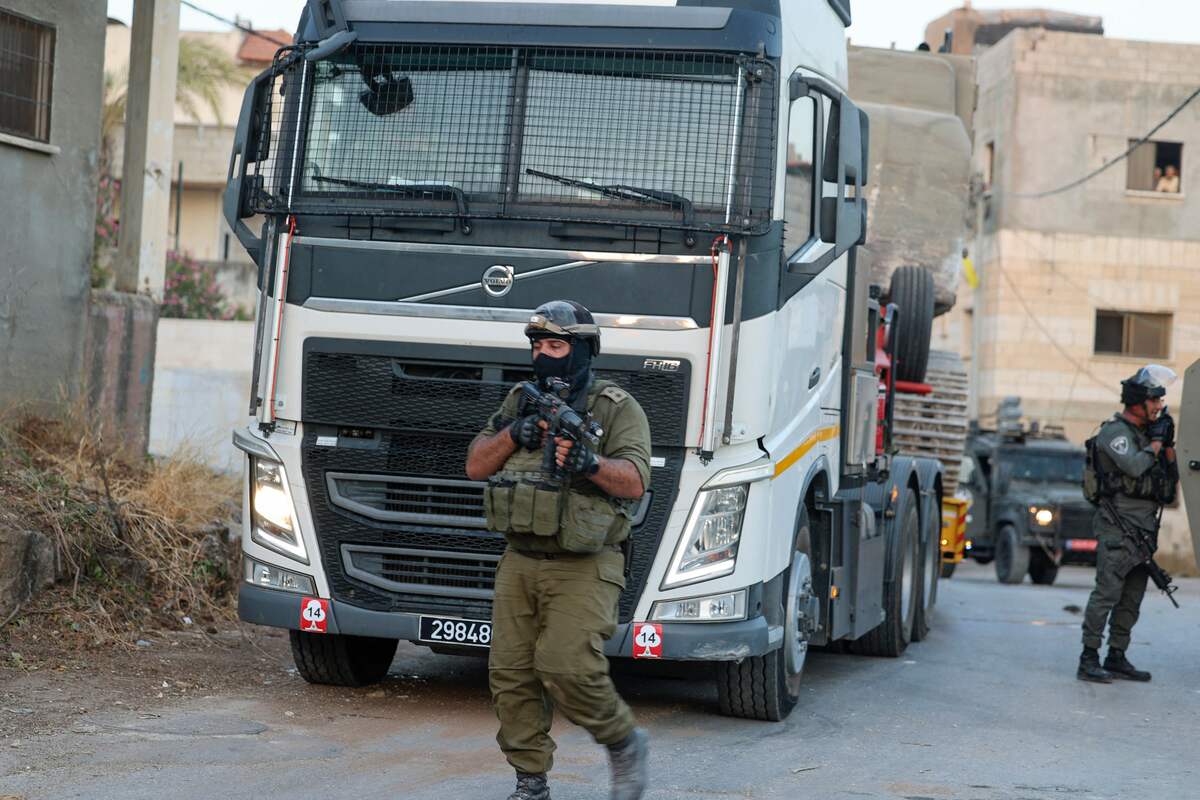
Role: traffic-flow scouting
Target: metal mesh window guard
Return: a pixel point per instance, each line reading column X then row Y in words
column 26, row 76
column 675, row 139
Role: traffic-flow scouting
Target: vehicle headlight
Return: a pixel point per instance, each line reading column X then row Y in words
column 272, row 577
column 709, row 544
column 726, row 607
column 273, row 514
column 1042, row 516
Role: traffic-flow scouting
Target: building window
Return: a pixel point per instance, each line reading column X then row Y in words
column 989, row 164
column 26, row 75
column 1154, row 167
column 1132, row 333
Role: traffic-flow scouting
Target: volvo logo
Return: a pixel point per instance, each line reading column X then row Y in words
column 497, row 280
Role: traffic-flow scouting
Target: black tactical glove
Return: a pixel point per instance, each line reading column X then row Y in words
column 1162, row 430
column 581, row 459
column 526, row 432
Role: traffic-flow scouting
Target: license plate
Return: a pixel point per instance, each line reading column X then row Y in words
column 448, row 630
column 1081, row 544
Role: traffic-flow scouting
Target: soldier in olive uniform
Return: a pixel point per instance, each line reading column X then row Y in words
column 1135, row 469
column 558, row 581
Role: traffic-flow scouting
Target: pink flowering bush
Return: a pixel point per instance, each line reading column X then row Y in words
column 108, row 203
column 191, row 291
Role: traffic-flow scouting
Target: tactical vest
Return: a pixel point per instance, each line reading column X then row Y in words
column 1106, row 480
column 535, row 514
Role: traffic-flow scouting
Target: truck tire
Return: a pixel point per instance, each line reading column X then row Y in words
column 948, row 569
column 931, row 557
column 1012, row 557
column 901, row 596
column 767, row 687
column 1042, row 569
column 912, row 291
column 341, row 660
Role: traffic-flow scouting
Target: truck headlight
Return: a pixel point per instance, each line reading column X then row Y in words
column 272, row 577
column 727, row 607
column 273, row 514
column 709, row 544
column 1044, row 517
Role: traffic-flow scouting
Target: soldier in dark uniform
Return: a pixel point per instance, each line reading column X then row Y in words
column 1137, row 472
column 558, row 581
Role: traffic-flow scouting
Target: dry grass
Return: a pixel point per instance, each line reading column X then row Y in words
column 141, row 545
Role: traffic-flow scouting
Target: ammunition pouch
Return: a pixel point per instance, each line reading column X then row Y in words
column 579, row 522
column 519, row 506
column 589, row 523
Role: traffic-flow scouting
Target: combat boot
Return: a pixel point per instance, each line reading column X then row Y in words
column 531, row 786
column 1090, row 669
column 629, row 759
column 1119, row 666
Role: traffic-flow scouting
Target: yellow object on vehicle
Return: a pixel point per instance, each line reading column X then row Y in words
column 954, row 532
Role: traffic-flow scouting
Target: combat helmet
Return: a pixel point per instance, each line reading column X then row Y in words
column 1149, row 382
column 564, row 319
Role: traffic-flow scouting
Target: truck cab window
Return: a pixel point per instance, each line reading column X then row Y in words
column 798, row 181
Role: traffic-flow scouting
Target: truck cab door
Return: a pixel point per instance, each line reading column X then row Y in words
column 1188, row 451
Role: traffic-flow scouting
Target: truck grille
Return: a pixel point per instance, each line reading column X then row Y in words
column 400, row 528
column 429, row 501
column 433, row 572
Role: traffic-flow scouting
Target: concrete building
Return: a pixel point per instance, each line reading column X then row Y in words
column 1080, row 287
column 971, row 29
column 50, row 84
column 202, row 144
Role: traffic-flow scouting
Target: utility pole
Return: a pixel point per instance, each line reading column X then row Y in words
column 149, row 133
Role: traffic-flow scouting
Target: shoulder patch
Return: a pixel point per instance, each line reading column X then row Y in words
column 614, row 393
column 1120, row 445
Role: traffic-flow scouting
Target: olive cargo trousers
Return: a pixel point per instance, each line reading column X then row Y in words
column 1116, row 598
column 550, row 618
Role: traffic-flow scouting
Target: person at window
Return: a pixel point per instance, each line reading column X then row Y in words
column 1158, row 174
column 1169, row 182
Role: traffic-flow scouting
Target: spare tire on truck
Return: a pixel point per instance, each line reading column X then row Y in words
column 912, row 292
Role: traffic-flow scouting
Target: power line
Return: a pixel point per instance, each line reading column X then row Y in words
column 234, row 23
column 1137, row 143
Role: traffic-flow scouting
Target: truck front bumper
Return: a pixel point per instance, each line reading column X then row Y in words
column 707, row 641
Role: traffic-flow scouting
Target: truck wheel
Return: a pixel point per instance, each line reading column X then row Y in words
column 900, row 596
column 931, row 557
column 341, row 660
column 1012, row 557
column 948, row 569
column 767, row 687
column 912, row 291
column 1042, row 569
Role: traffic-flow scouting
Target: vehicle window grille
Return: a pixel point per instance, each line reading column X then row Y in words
column 674, row 138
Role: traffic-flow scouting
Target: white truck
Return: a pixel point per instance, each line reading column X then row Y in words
column 427, row 173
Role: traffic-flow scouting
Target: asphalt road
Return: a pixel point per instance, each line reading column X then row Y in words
column 987, row 708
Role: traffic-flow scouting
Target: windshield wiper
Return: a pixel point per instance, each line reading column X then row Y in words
column 621, row 191
column 413, row 190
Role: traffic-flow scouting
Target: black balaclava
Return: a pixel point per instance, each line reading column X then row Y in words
column 575, row 368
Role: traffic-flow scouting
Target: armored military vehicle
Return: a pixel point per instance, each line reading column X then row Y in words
column 1028, row 513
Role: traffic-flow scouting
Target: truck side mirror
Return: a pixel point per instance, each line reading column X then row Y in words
column 844, row 214
column 842, row 217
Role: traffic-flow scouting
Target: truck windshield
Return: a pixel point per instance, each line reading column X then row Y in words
column 506, row 128
column 1046, row 467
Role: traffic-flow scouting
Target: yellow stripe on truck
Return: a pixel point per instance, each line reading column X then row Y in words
column 819, row 435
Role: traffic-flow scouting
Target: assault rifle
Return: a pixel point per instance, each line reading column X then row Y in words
column 560, row 418
column 1145, row 550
